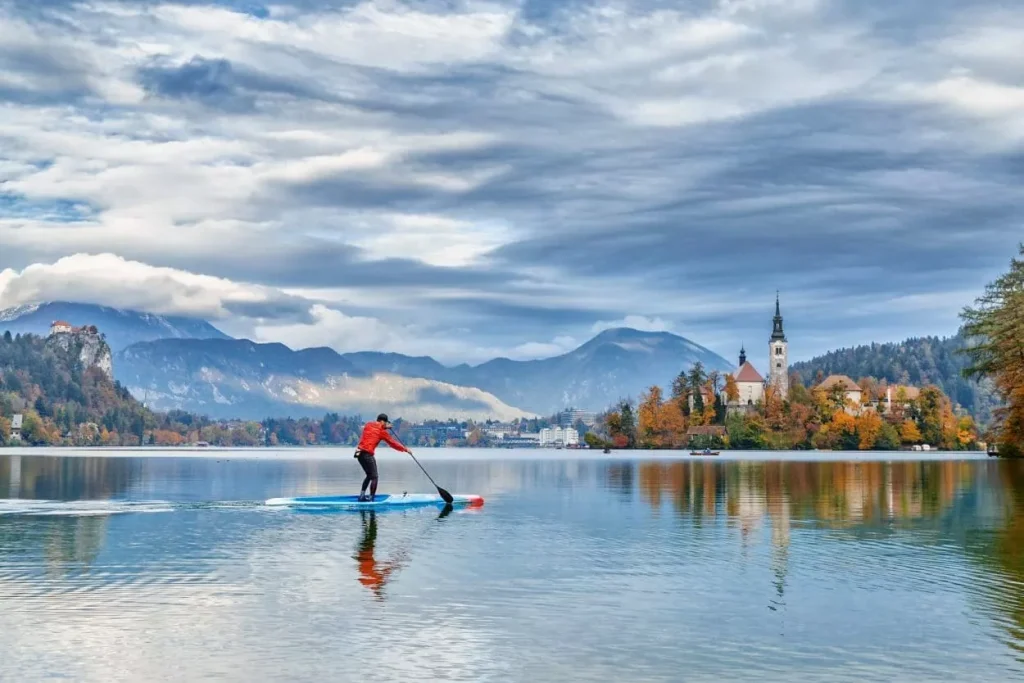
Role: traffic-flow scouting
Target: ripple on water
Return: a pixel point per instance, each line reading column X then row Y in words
column 585, row 573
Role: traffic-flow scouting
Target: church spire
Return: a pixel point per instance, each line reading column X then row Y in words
column 777, row 333
column 743, row 355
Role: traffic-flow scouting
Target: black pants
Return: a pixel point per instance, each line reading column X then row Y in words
column 369, row 464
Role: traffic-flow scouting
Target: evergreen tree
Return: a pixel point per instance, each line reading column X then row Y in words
column 995, row 332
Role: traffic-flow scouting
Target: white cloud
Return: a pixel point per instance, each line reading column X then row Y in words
column 107, row 279
column 435, row 240
column 263, row 314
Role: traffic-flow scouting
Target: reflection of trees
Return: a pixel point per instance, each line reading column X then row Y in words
column 874, row 496
column 61, row 542
column 834, row 493
column 1001, row 552
column 48, row 478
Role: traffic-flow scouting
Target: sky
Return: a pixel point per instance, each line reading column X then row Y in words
column 477, row 179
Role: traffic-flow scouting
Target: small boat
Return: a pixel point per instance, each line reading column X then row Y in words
column 706, row 451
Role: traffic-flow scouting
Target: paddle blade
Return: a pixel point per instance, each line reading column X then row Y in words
column 445, row 495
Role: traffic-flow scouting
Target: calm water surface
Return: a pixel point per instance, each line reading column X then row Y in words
column 144, row 567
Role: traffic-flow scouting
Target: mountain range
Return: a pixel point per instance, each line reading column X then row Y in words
column 188, row 364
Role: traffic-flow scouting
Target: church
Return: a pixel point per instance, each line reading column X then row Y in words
column 749, row 382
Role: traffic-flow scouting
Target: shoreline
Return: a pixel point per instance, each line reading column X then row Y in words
column 300, row 453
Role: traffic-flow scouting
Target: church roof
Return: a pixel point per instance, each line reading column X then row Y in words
column 747, row 373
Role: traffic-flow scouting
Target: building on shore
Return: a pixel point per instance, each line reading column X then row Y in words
column 555, row 437
column 17, row 422
column 852, row 392
column 750, row 384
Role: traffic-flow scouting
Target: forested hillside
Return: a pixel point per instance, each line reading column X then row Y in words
column 59, row 396
column 64, row 401
column 918, row 362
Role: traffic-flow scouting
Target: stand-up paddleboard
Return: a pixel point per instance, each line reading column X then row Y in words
column 381, row 501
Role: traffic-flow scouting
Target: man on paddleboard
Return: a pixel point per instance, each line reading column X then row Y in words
column 373, row 434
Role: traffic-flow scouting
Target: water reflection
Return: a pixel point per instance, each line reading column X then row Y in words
column 373, row 574
column 978, row 506
column 42, row 477
column 727, row 570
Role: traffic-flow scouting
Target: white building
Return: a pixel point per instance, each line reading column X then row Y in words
column 16, row 424
column 552, row 437
column 499, row 431
column 749, row 382
column 60, row 327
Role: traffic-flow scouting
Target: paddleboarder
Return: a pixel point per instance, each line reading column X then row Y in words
column 373, row 434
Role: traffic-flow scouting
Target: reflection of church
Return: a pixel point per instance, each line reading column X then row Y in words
column 749, row 382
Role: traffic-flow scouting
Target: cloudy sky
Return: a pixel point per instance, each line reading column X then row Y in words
column 466, row 179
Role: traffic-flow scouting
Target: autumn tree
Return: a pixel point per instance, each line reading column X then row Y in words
column 869, row 426
column 649, row 430
column 909, row 433
column 732, row 389
column 621, row 425
column 994, row 328
column 659, row 423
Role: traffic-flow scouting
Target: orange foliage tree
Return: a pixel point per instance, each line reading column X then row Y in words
column 869, row 426
column 659, row 423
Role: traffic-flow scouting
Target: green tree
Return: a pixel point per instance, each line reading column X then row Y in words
column 628, row 423
column 994, row 328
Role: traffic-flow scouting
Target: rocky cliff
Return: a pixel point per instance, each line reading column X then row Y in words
column 89, row 346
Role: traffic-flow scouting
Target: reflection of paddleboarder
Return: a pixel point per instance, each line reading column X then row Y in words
column 372, row 574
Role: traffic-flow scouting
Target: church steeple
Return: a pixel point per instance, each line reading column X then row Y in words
column 743, row 356
column 777, row 333
column 778, row 350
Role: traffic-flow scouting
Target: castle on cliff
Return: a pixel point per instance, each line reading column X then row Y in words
column 94, row 351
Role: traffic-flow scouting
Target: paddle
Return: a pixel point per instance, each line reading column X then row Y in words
column 444, row 494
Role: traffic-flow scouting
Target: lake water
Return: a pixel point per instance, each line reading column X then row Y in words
column 165, row 566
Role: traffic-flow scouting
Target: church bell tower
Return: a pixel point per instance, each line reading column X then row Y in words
column 778, row 358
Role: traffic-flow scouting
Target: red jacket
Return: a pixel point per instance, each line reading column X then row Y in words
column 373, row 433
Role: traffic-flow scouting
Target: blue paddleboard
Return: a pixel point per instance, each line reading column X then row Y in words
column 381, row 501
